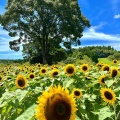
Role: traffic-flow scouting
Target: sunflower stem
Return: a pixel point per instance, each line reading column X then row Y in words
column 114, row 106
column 118, row 115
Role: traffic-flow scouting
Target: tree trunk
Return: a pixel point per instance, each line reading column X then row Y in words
column 44, row 53
column 44, row 58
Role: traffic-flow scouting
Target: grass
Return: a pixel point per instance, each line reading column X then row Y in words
column 107, row 61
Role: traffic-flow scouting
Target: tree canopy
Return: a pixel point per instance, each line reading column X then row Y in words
column 43, row 24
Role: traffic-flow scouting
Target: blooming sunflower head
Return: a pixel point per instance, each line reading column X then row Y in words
column 115, row 61
column 31, row 76
column 56, row 104
column 84, row 67
column 1, row 84
column 77, row 93
column 108, row 95
column 102, row 80
column 54, row 73
column 99, row 64
column 38, row 65
column 32, row 70
column 2, row 71
column 21, row 81
column 114, row 72
column 70, row 69
column 43, row 70
column 106, row 68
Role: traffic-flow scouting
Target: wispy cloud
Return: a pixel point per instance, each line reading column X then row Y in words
column 93, row 34
column 117, row 16
column 5, row 51
column 92, row 37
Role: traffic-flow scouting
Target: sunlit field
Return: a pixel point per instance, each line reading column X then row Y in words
column 60, row 91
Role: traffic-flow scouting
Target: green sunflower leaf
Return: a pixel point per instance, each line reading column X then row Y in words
column 20, row 94
column 77, row 118
column 104, row 113
column 109, row 82
column 66, row 83
column 28, row 114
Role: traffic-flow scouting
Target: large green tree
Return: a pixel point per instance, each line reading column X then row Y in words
column 40, row 22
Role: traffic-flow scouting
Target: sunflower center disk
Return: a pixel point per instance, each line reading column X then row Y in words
column 114, row 73
column 77, row 93
column 108, row 95
column 70, row 70
column 31, row 76
column 58, row 108
column 55, row 73
column 106, row 68
column 84, row 68
column 103, row 80
column 43, row 71
column 21, row 83
column 61, row 109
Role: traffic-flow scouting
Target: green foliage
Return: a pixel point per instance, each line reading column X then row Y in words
column 116, row 55
column 93, row 52
column 105, row 61
column 77, row 61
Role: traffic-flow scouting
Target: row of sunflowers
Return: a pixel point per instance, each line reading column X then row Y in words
column 60, row 92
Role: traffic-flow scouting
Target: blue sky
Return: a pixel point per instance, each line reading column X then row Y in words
column 104, row 16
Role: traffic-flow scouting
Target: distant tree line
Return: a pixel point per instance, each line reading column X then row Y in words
column 93, row 52
column 89, row 53
column 71, row 55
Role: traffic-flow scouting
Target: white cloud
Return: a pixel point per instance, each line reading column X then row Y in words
column 117, row 16
column 92, row 34
column 5, row 51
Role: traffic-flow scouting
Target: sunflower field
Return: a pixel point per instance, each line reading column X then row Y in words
column 60, row 92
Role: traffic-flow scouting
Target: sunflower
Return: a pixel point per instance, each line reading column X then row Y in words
column 77, row 93
column 39, row 65
column 118, row 69
column 43, row 70
column 56, row 104
column 115, row 61
column 2, row 71
column 84, row 67
column 108, row 95
column 99, row 64
column 114, row 72
column 54, row 73
column 8, row 78
column 32, row 70
column 106, row 67
column 102, row 80
column 31, row 76
column 21, row 81
column 70, row 69
column 1, row 84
